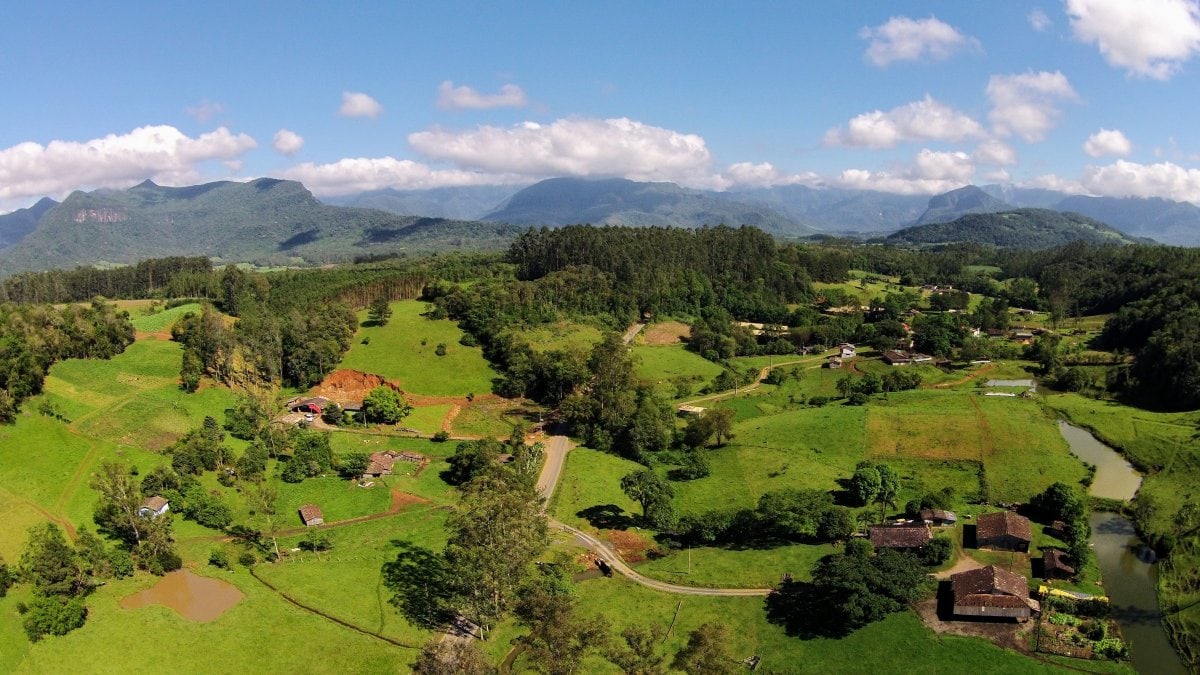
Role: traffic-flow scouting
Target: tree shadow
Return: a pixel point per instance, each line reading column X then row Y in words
column 607, row 517
column 969, row 537
column 803, row 611
column 422, row 585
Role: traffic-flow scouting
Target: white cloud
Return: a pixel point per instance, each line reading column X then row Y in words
column 350, row 175
column 1052, row 182
column 924, row 120
column 287, row 142
column 1107, row 142
column 748, row 174
column 1130, row 179
column 1038, row 20
column 205, row 110
column 574, row 147
column 1027, row 104
column 1152, row 38
column 161, row 153
column 451, row 97
column 930, row 173
column 995, row 152
column 358, row 104
column 905, row 39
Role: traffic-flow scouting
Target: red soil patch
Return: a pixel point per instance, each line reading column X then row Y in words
column 352, row 386
column 666, row 333
column 632, row 547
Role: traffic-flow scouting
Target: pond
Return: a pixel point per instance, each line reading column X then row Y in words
column 1129, row 581
column 1115, row 476
column 192, row 596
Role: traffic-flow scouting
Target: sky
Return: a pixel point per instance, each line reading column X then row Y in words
column 1085, row 96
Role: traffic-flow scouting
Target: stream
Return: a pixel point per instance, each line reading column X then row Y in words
column 1125, row 562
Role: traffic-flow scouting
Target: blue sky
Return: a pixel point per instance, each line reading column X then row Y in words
column 1089, row 96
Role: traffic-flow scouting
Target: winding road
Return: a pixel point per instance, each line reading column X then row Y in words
column 557, row 448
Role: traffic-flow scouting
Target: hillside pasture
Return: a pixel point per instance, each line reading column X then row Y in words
column 663, row 363
column 405, row 351
column 562, row 335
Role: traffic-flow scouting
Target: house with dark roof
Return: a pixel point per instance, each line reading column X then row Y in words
column 379, row 464
column 154, row 507
column 1054, row 565
column 906, row 537
column 311, row 515
column 1004, row 530
column 895, row 358
column 312, row 405
column 991, row 592
column 834, row 361
column 938, row 517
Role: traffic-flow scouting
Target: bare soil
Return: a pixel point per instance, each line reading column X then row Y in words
column 666, row 333
column 352, row 386
column 192, row 596
column 632, row 547
column 1007, row 634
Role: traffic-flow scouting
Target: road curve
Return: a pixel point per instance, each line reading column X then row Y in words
column 557, row 448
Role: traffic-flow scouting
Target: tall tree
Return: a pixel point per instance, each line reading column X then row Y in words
column 263, row 500
column 120, row 499
column 452, row 657
column 642, row 654
column 648, row 489
column 379, row 312
column 50, row 564
column 707, row 651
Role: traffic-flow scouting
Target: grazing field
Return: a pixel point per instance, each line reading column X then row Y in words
column 927, row 425
column 563, row 335
column 427, row 419
column 747, row 567
column 665, row 333
column 405, row 351
column 663, row 363
column 339, row 499
column 162, row 320
column 592, row 479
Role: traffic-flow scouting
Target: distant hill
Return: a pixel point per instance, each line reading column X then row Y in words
column 266, row 220
column 947, row 207
column 1020, row 228
column 1163, row 220
column 16, row 225
column 616, row 201
column 839, row 211
column 457, row 203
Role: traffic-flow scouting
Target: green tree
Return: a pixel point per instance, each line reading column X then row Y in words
column 120, row 499
column 559, row 638
column 191, row 371
column 721, row 421
column 865, row 483
column 642, row 654
column 384, row 405
column 379, row 312
column 889, row 489
column 648, row 489
column 50, row 564
column 7, row 578
column 53, row 615
column 706, row 651
column 452, row 657
column 263, row 501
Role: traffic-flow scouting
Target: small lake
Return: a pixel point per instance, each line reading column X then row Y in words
column 194, row 597
column 1115, row 476
column 1129, row 581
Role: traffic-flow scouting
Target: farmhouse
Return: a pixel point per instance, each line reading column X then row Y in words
column 1054, row 565
column 311, row 515
column 309, row 405
column 938, row 517
column 380, row 464
column 847, row 350
column 154, row 507
column 1005, row 530
column 991, row 592
column 907, row 537
column 902, row 358
column 693, row 410
column 834, row 361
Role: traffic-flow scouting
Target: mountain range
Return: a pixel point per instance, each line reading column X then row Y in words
column 278, row 222
column 1019, row 228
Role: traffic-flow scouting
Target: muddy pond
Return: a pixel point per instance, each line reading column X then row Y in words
column 192, row 596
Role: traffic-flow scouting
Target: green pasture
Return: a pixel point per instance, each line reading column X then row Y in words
column 662, row 363
column 405, row 351
column 338, row 498
column 736, row 567
column 427, row 419
column 562, row 335
column 492, row 417
column 592, row 478
column 161, row 320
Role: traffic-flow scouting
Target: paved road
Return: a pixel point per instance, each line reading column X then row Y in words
column 557, row 448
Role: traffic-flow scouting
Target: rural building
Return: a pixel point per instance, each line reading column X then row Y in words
column 1054, row 565
column 1005, row 530
column 991, row 592
column 409, row 456
column 309, row 405
column 154, row 507
column 311, row 515
column 691, row 410
column 834, row 362
column 896, row 358
column 847, row 350
column 906, row 537
column 938, row 517
column 380, row 464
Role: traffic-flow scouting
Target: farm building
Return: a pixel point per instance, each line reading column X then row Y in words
column 693, row 410
column 991, row 592
column 311, row 515
column 1004, row 530
column 380, row 464
column 906, row 537
column 847, row 350
column 938, row 517
column 313, row 405
column 1054, row 565
column 834, row 361
column 154, row 507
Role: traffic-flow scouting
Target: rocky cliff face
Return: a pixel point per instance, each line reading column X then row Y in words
column 101, row 215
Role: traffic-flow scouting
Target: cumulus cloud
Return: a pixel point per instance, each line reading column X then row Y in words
column 930, row 173
column 350, row 175
column 1038, row 20
column 748, row 174
column 1151, row 38
column 204, row 110
column 905, row 39
column 1130, row 179
column 358, row 104
column 1107, row 142
column 451, row 97
column 287, row 142
column 995, row 152
column 1028, row 104
column 924, row 120
column 162, row 153
column 574, row 147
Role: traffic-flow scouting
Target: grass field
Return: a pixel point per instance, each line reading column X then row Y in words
column 563, row 335
column 750, row 567
column 427, row 419
column 662, row 363
column 404, row 350
column 161, row 320
column 592, row 478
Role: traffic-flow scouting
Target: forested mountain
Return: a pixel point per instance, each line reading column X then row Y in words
column 616, row 201
column 470, row 202
column 1020, row 228
column 267, row 221
column 946, row 207
column 14, row 226
column 839, row 211
column 1169, row 222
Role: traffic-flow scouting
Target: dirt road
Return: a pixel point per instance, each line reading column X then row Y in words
column 557, row 448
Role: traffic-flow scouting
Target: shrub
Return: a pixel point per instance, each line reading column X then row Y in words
column 818, row 401
column 53, row 615
column 441, row 436
column 218, row 559
column 440, row 350
column 248, row 559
